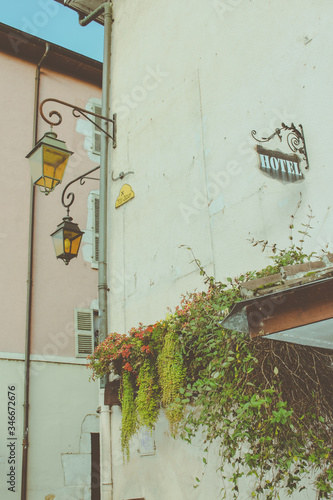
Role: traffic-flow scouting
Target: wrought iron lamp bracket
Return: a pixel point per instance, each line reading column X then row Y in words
column 295, row 139
column 77, row 112
column 71, row 196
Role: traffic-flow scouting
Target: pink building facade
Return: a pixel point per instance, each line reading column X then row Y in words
column 61, row 402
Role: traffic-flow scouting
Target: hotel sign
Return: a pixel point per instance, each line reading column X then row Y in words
column 277, row 165
column 286, row 167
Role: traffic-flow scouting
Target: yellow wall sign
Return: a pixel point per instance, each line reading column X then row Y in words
column 125, row 195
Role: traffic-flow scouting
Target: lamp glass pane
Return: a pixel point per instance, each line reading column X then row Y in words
column 76, row 244
column 72, row 242
column 54, row 162
column 58, row 242
column 47, row 166
column 36, row 165
column 47, row 183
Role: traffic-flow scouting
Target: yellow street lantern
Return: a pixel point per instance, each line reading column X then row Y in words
column 48, row 160
column 67, row 239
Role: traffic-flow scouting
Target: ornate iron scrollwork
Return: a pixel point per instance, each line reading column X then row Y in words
column 295, row 139
column 77, row 112
column 71, row 196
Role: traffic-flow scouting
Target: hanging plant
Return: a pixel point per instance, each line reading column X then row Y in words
column 148, row 397
column 268, row 405
column 129, row 423
column 108, row 356
column 171, row 378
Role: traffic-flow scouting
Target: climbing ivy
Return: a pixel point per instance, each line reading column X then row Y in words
column 129, row 423
column 171, row 378
column 267, row 404
column 147, row 399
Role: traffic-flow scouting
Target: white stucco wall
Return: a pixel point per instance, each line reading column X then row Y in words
column 172, row 470
column 62, row 415
column 190, row 81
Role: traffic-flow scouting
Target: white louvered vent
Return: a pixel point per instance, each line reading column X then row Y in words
column 97, row 134
column 96, row 229
column 84, row 332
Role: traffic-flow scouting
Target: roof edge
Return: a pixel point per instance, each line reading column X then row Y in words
column 22, row 36
column 25, row 46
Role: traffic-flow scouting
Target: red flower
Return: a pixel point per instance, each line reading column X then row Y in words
column 146, row 348
column 128, row 367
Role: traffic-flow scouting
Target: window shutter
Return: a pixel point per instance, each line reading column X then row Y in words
column 84, row 332
column 96, row 132
column 96, row 229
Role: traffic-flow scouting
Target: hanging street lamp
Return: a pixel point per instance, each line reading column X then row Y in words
column 48, row 160
column 67, row 237
column 66, row 240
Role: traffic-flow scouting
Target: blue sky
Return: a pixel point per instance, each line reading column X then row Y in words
column 55, row 23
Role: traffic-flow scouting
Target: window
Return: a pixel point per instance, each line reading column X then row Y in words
column 88, row 128
column 90, row 248
column 97, row 134
column 95, row 229
column 86, row 332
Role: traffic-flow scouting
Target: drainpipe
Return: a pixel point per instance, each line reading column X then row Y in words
column 28, row 325
column 102, row 266
column 105, row 417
